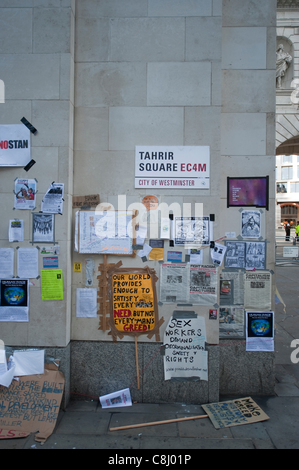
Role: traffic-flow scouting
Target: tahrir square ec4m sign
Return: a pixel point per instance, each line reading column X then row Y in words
column 172, row 167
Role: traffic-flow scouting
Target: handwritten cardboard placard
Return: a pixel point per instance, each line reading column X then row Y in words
column 234, row 412
column 133, row 301
column 31, row 404
column 91, row 200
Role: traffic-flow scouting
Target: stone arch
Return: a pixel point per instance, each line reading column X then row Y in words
column 289, row 146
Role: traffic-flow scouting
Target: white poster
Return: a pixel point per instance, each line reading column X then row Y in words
column 250, row 224
column 191, row 231
column 14, row 145
column 27, row 263
column 185, row 167
column 6, row 262
column 25, row 194
column 86, row 303
column 174, row 283
column 16, row 230
column 185, row 355
column 260, row 331
column 217, row 253
column 52, row 202
column 14, row 300
column 43, row 228
column 258, row 290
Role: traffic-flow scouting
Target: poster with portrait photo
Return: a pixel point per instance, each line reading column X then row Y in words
column 250, row 224
column 43, row 228
column 25, row 193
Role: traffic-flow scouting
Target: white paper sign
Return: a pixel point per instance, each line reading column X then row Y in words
column 27, row 260
column 86, row 303
column 6, row 262
column 185, row 355
column 14, row 145
column 29, row 362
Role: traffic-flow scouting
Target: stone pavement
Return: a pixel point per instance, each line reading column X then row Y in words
column 85, row 425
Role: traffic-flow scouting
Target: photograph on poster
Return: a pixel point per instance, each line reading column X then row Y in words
column 250, row 224
column 260, row 331
column 14, row 300
column 25, row 194
column 231, row 322
column 43, row 228
column 191, row 231
column 234, row 280
column 226, row 292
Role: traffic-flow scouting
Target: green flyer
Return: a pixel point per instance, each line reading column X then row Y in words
column 52, row 284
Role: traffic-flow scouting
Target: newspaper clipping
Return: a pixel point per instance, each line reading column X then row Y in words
column 258, row 290
column 188, row 283
column 203, row 284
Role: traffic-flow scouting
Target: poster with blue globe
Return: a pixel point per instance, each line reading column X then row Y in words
column 260, row 331
column 14, row 300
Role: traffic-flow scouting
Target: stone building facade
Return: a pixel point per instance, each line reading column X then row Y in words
column 98, row 78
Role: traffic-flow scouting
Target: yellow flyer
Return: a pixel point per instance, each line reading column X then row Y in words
column 52, row 284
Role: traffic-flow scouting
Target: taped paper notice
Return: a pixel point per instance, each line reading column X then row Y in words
column 86, row 305
column 52, row 284
column 29, row 362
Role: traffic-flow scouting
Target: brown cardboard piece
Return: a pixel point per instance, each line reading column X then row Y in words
column 31, row 405
column 91, row 200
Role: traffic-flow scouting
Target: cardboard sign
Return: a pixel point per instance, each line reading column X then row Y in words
column 234, row 412
column 133, row 301
column 31, row 404
column 81, row 201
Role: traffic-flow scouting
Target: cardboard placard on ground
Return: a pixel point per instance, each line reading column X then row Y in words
column 234, row 412
column 31, row 405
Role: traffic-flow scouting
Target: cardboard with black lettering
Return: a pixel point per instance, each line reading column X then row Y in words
column 234, row 412
column 31, row 405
